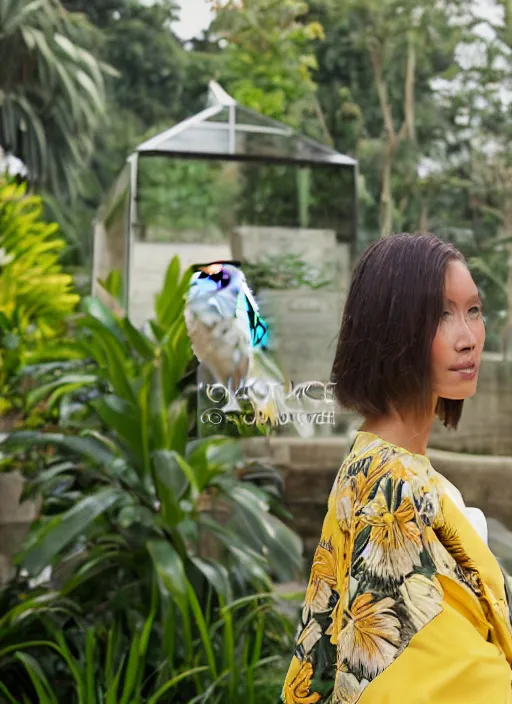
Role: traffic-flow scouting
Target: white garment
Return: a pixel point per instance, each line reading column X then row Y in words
column 474, row 515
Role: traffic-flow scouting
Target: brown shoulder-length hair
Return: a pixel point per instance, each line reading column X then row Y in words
column 393, row 309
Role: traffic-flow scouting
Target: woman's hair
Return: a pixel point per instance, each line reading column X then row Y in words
column 392, row 312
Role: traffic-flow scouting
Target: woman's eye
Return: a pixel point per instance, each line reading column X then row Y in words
column 475, row 311
column 445, row 315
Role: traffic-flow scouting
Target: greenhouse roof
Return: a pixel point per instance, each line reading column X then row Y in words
column 228, row 130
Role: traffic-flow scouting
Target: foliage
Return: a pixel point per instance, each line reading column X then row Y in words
column 144, row 527
column 187, row 200
column 35, row 296
column 157, row 84
column 268, row 61
column 50, row 650
column 283, row 271
column 52, row 90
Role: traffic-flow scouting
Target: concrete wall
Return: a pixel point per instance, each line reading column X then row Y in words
column 304, row 324
column 486, row 424
column 149, row 265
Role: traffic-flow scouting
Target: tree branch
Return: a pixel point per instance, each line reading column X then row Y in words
column 407, row 130
column 376, row 60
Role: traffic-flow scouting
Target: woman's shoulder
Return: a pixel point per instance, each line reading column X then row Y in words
column 375, row 470
column 373, row 457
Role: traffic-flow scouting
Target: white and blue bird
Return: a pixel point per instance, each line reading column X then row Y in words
column 229, row 337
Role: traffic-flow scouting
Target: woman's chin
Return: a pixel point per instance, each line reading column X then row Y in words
column 461, row 393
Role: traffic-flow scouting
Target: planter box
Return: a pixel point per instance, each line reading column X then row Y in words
column 15, row 521
column 319, row 248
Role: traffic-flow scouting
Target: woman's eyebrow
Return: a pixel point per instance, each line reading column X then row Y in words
column 475, row 298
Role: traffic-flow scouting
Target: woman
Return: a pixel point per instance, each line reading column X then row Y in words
column 405, row 602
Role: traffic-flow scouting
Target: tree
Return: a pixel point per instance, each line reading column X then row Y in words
column 52, row 95
column 401, row 46
column 145, row 96
column 268, row 60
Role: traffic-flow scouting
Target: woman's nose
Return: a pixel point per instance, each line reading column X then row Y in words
column 466, row 339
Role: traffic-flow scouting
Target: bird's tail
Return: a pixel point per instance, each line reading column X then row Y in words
column 269, row 391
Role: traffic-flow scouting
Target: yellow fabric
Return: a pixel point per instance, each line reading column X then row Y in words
column 405, row 602
column 448, row 662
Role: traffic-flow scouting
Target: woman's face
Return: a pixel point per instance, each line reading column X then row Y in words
column 458, row 344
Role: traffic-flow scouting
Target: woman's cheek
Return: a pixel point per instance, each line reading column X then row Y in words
column 438, row 349
column 481, row 333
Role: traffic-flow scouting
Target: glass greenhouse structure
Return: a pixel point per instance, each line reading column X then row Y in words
column 187, row 190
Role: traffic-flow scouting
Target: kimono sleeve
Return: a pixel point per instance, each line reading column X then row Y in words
column 372, row 586
column 312, row 671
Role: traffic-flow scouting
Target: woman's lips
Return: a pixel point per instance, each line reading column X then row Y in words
column 467, row 371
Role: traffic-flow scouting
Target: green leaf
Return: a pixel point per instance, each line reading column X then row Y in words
column 74, row 665
column 88, row 446
column 174, row 681
column 38, row 678
column 90, row 675
column 170, row 571
column 159, row 424
column 6, row 692
column 117, row 360
column 203, row 628
column 121, row 417
column 216, row 574
column 45, row 603
column 103, row 315
column 62, row 529
column 170, row 472
column 173, row 582
column 282, row 547
column 114, row 284
column 166, row 304
column 178, row 426
column 67, row 382
column 140, row 342
column 132, row 669
column 171, row 485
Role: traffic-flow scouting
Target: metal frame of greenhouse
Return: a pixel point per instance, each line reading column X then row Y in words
column 224, row 130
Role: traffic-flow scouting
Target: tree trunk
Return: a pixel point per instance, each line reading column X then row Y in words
column 507, row 232
column 386, row 197
column 423, row 223
column 408, row 128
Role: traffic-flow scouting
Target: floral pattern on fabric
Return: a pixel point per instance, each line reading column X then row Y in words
column 373, row 582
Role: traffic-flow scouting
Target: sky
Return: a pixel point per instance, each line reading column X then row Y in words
column 195, row 15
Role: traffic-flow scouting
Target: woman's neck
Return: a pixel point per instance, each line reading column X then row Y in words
column 406, row 432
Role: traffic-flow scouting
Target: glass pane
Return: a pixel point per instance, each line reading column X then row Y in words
column 198, row 200
column 204, row 210
column 222, row 116
column 279, row 146
column 248, row 117
column 186, row 200
column 199, row 139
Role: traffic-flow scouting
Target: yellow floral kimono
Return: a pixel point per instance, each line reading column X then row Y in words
column 405, row 602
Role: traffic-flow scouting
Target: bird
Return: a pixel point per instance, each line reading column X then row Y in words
column 230, row 337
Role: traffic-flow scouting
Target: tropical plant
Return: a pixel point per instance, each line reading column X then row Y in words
column 132, row 503
column 33, row 283
column 284, row 271
column 50, row 650
column 36, row 296
column 269, row 61
column 52, row 90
